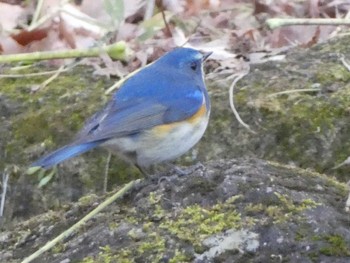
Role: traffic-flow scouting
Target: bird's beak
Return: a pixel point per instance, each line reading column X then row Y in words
column 206, row 55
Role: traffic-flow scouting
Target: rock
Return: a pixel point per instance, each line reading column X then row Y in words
column 238, row 210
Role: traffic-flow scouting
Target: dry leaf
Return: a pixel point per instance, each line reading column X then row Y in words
column 9, row 16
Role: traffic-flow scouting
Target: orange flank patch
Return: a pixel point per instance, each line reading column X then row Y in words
column 194, row 119
column 164, row 129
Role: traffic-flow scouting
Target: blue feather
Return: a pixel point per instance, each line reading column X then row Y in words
column 65, row 153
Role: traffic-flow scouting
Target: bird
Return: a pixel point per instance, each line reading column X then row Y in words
column 157, row 115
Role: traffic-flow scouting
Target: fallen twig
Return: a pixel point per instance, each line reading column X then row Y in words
column 79, row 224
column 117, row 51
column 280, row 22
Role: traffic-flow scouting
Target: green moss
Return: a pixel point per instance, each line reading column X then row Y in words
column 288, row 209
column 180, row 257
column 158, row 213
column 87, row 199
column 147, row 226
column 233, row 199
column 150, row 246
column 59, row 248
column 156, row 244
column 88, row 260
column 342, row 188
column 31, row 128
column 124, row 255
column 300, row 127
column 308, row 204
column 301, row 234
column 291, row 206
column 329, row 73
column 283, row 211
column 153, row 198
column 314, row 256
column 195, row 223
column 337, row 246
column 49, row 113
column 132, row 218
column 104, row 256
column 254, row 208
column 49, row 117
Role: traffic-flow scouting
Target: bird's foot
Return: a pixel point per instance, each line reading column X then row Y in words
column 186, row 171
column 176, row 172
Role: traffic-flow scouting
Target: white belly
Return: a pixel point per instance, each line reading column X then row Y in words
column 150, row 147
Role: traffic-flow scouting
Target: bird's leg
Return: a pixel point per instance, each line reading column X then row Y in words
column 143, row 171
column 175, row 171
column 131, row 157
column 151, row 174
column 105, row 179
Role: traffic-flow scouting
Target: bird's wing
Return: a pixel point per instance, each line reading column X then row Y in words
column 131, row 117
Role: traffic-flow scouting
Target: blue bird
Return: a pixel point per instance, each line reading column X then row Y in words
column 157, row 115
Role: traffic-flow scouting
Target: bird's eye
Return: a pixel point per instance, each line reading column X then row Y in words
column 194, row 66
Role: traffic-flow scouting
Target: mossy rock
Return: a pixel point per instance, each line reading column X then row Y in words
column 247, row 211
column 306, row 129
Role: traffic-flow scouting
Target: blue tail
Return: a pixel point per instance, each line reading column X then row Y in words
column 64, row 153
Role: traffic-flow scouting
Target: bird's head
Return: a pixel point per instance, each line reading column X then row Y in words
column 188, row 60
